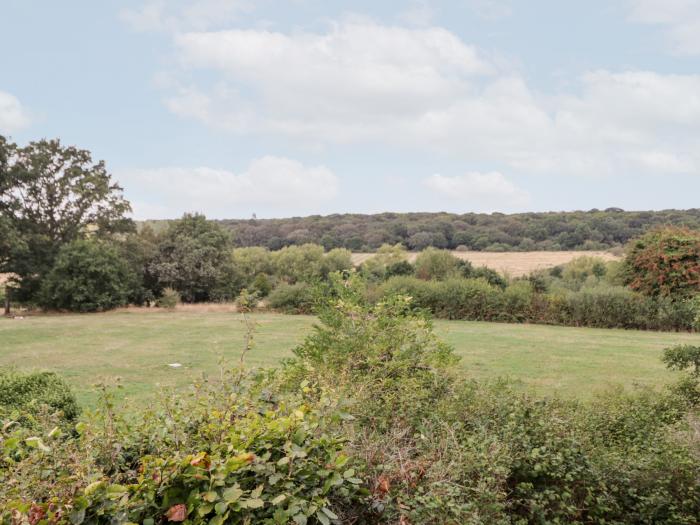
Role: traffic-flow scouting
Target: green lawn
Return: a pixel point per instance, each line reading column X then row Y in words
column 137, row 347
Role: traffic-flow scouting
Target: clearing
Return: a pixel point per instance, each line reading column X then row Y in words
column 138, row 345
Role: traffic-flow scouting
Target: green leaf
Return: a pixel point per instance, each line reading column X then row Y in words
column 328, row 512
column 255, row 503
column 323, row 518
column 210, row 496
column 299, row 519
column 221, row 507
column 279, row 499
column 148, row 521
column 232, row 494
column 257, row 492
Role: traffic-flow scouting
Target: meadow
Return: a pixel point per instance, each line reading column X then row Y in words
column 138, row 345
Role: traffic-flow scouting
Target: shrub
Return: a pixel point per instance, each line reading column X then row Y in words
column 247, row 301
column 683, row 357
column 88, row 276
column 436, row 264
column 169, row 299
column 23, row 396
column 296, row 298
column 225, row 455
column 665, row 262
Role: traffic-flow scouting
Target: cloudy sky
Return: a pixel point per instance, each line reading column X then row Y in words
column 295, row 107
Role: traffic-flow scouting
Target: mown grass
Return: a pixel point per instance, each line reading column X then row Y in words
column 137, row 347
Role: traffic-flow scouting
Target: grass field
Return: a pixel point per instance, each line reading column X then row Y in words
column 515, row 264
column 137, row 346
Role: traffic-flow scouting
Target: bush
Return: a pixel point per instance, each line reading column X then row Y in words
column 436, row 264
column 169, row 299
column 665, row 262
column 225, row 455
column 683, row 357
column 296, row 298
column 88, row 276
column 24, row 396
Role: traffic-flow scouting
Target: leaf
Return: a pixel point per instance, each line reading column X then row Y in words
column 232, row 494
column 279, row 499
column 323, row 518
column 36, row 442
column 210, row 496
column 299, row 519
column 255, row 503
column 258, row 490
column 148, row 521
column 328, row 512
column 221, row 507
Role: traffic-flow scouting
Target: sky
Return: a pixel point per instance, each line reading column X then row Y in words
column 295, row 107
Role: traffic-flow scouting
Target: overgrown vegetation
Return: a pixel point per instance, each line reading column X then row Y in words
column 368, row 423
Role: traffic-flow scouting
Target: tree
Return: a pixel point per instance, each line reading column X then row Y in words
column 664, row 262
column 51, row 195
column 193, row 258
column 89, row 275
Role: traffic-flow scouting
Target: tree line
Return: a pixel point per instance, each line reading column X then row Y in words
column 576, row 230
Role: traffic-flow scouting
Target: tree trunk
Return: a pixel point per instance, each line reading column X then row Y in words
column 7, row 300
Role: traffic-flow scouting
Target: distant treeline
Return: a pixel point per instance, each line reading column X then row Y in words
column 578, row 230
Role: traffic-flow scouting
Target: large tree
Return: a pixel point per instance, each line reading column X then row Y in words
column 51, row 195
column 194, row 258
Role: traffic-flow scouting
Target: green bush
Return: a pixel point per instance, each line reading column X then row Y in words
column 88, row 276
column 24, row 396
column 432, row 263
column 296, row 298
column 225, row 455
column 169, row 299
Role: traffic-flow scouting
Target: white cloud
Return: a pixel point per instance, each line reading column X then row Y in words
column 269, row 183
column 159, row 15
column 352, row 82
column 13, row 117
column 680, row 18
column 480, row 191
column 361, row 81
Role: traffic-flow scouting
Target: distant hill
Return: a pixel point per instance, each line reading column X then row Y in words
column 577, row 230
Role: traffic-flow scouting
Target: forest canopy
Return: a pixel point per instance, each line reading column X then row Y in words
column 576, row 230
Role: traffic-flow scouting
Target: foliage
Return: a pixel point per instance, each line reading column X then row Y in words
column 193, row 257
column 23, row 397
column 665, row 262
column 683, row 357
column 296, row 298
column 368, row 423
column 601, row 306
column 442, row 450
column 222, row 455
column 580, row 230
column 436, row 264
column 169, row 298
column 88, row 275
column 51, row 195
